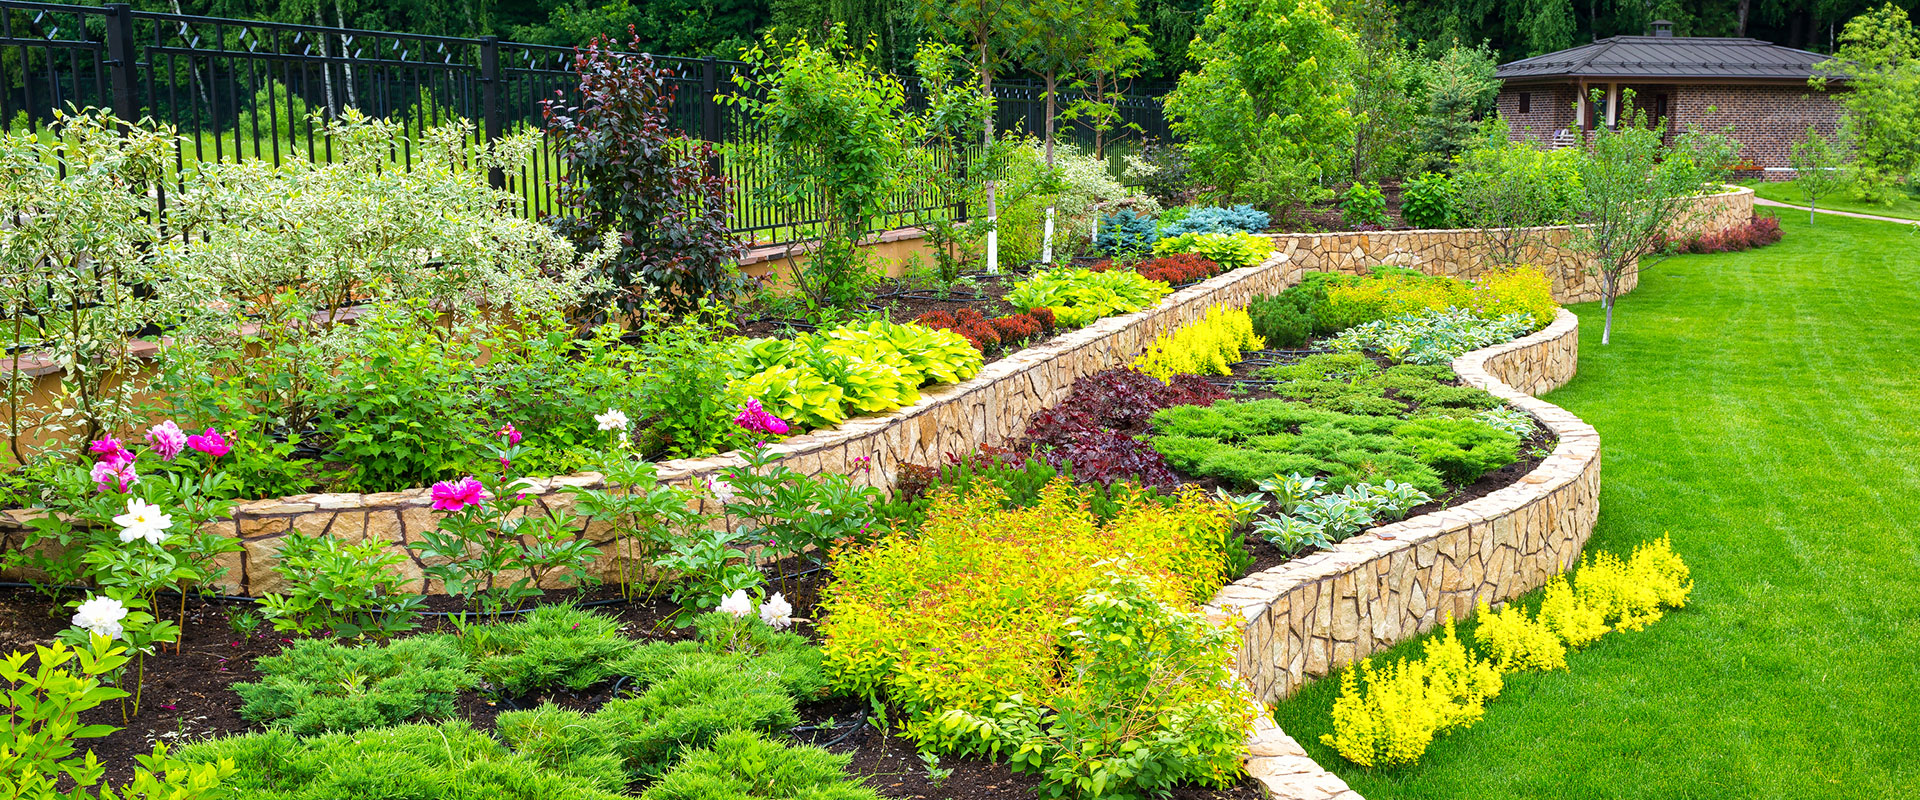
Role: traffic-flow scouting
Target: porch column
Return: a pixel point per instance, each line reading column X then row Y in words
column 1613, row 105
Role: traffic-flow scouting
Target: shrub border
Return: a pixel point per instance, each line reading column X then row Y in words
column 1313, row 615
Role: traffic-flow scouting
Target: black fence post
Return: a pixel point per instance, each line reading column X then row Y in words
column 491, row 125
column 121, row 61
column 710, row 110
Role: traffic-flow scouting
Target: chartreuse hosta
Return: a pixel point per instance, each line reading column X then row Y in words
column 820, row 379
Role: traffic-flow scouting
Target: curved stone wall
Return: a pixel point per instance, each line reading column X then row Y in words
column 1309, row 616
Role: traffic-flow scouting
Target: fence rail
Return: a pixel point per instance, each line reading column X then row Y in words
column 242, row 90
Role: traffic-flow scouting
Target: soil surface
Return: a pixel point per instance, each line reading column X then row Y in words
column 188, row 696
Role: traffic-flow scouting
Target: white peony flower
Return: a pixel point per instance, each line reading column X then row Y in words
column 777, row 612
column 613, row 420
column 721, row 490
column 737, row 604
column 143, row 520
column 101, row 616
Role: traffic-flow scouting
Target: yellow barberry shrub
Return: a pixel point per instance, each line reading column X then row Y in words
column 1389, row 725
column 1655, row 564
column 1627, row 603
column 1208, row 346
column 1516, row 641
column 1460, row 683
column 1577, row 624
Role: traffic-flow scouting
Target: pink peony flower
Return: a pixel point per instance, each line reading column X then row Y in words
column 111, row 452
column 211, row 443
column 167, row 440
column 508, row 433
column 756, row 419
column 118, row 473
column 459, row 494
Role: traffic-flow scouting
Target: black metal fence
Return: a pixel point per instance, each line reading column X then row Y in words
column 242, row 90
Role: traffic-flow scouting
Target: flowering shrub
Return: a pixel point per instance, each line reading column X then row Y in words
column 1209, row 346
column 977, row 611
column 1077, row 297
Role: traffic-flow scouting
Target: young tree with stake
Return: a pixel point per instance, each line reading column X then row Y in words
column 1819, row 162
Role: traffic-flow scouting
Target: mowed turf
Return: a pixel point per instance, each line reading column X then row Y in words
column 1763, row 408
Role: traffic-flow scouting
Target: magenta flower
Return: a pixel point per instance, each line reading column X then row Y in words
column 756, row 419
column 508, row 433
column 211, row 443
column 505, row 463
column 117, row 472
column 112, row 452
column 459, row 494
column 167, row 440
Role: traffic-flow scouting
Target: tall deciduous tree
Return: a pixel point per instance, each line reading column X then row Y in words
column 1266, row 116
column 1390, row 90
column 1880, row 58
column 1063, row 40
column 1635, row 191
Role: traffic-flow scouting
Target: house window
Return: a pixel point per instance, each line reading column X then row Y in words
column 1526, row 103
column 1659, row 107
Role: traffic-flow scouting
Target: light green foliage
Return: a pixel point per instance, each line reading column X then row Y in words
column 351, row 590
column 1364, row 204
column 690, row 708
column 449, row 760
column 1428, row 200
column 316, row 686
column 77, row 242
column 1079, row 296
column 1431, row 337
column 38, row 756
column 1508, row 188
column 1230, row 250
column 1115, row 729
column 551, row 648
column 1312, row 517
column 1266, row 117
column 1634, row 188
column 1879, row 57
column 745, row 766
column 832, row 133
column 1074, row 186
column 820, row 379
column 1820, row 165
column 775, row 657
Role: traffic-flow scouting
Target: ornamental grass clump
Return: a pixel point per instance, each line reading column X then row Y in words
column 977, row 614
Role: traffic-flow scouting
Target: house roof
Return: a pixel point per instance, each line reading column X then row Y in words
column 1687, row 57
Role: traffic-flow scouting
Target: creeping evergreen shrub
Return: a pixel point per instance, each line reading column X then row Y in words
column 743, row 765
column 317, row 686
column 554, row 647
column 428, row 762
column 691, row 708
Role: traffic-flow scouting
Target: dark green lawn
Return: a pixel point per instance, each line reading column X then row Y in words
column 1764, row 408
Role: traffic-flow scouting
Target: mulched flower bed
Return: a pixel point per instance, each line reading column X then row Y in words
column 188, row 696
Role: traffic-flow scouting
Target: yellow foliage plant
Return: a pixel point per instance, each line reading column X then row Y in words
column 1209, row 346
column 1655, row 564
column 1576, row 623
column 1606, row 583
column 1517, row 290
column 1407, row 703
column 1516, row 641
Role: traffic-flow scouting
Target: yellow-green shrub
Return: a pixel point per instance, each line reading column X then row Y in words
column 1518, row 290
column 1518, row 642
column 1576, row 623
column 972, row 610
column 1655, row 564
column 1391, row 294
column 1407, row 703
column 1605, row 583
column 1207, row 347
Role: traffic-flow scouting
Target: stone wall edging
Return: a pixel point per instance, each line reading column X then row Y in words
column 1312, row 615
column 991, row 408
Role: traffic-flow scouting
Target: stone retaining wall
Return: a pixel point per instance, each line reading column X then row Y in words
column 992, row 408
column 1469, row 253
column 1307, row 617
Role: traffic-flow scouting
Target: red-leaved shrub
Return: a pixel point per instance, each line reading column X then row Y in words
column 1179, row 268
column 1758, row 232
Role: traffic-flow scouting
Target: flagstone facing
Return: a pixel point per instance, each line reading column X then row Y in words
column 1310, row 616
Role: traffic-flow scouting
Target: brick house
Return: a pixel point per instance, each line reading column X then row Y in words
column 1758, row 89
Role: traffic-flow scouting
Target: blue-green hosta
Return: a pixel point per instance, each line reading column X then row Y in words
column 819, row 379
column 1080, row 296
column 1431, row 337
